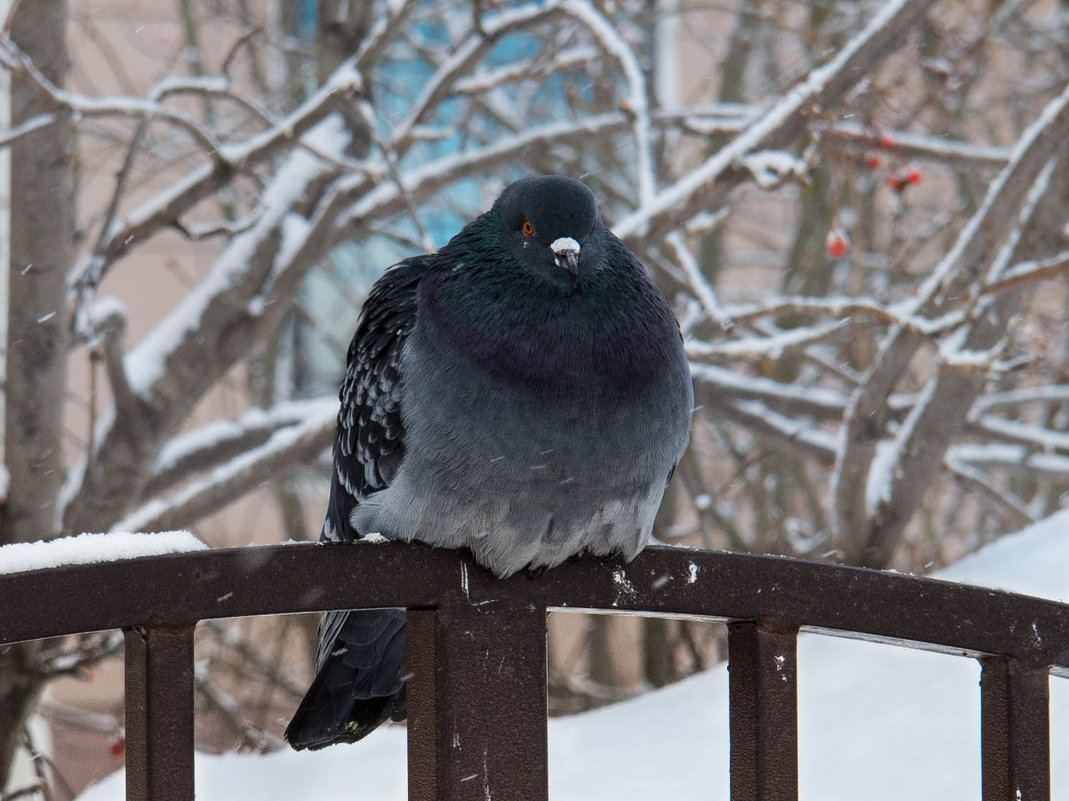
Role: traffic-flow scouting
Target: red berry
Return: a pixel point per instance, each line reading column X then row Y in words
column 887, row 141
column 117, row 747
column 837, row 243
column 900, row 180
column 873, row 162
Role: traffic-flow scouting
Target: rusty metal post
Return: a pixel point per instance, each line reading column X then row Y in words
column 763, row 708
column 477, row 702
column 159, row 714
column 421, row 692
column 1015, row 730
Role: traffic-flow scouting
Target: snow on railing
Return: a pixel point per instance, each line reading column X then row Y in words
column 87, row 549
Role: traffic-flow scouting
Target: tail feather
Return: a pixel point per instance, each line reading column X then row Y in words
column 359, row 682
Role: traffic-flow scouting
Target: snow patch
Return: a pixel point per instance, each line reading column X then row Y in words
column 106, row 307
column 692, row 572
column 86, row 549
column 772, row 168
column 625, row 590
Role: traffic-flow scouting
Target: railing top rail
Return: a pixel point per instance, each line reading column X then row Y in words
column 179, row 589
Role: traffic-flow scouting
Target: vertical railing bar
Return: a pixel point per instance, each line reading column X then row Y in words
column 763, row 709
column 421, row 653
column 478, row 725
column 1015, row 730
column 159, row 713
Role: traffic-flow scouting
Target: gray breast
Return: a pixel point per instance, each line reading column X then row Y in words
column 521, row 477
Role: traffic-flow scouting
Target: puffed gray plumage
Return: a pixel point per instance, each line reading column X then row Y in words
column 522, row 393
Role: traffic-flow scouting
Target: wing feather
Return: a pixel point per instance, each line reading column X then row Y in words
column 369, row 443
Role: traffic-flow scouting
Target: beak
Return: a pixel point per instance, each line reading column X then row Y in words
column 566, row 255
column 569, row 260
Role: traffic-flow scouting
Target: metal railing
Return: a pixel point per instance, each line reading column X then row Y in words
column 477, row 649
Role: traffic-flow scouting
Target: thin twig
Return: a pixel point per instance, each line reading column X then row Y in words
column 410, row 207
column 978, row 480
column 244, row 39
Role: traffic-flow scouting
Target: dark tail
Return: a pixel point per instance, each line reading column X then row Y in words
column 359, row 680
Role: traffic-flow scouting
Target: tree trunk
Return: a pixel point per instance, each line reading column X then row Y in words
column 41, row 227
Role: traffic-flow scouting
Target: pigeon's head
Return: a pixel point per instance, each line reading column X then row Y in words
column 546, row 222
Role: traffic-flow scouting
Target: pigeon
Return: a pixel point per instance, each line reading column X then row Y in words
column 522, row 393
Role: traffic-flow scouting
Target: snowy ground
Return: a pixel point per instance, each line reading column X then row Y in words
column 877, row 722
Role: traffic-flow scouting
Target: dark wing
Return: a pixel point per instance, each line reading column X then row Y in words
column 369, row 443
column 359, row 680
column 368, row 448
column 359, row 686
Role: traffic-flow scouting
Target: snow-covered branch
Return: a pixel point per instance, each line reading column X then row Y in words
column 1016, row 460
column 167, row 208
column 172, row 368
column 773, row 344
column 285, row 447
column 74, row 105
column 703, row 290
column 1054, row 393
column 462, row 62
column 844, row 307
column 1014, row 508
column 914, row 146
column 786, row 433
column 209, row 446
column 714, row 385
column 637, row 104
column 537, row 68
column 1029, row 272
column 1036, row 437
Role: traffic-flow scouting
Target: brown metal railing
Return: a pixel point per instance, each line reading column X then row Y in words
column 477, row 649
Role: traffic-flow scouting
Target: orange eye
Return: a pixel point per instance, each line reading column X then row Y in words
column 528, row 229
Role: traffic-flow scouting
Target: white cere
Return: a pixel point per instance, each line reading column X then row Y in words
column 563, row 245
